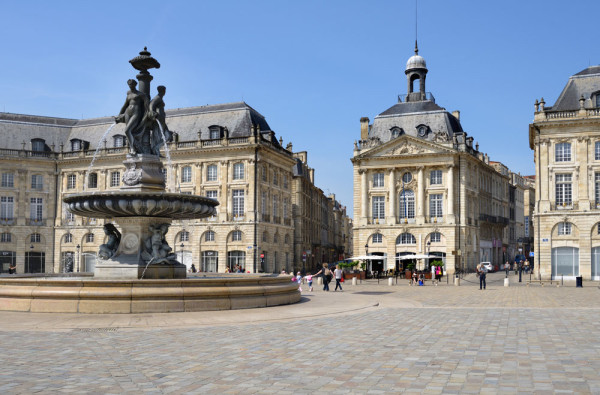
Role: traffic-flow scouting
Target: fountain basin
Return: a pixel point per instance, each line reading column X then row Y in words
column 100, row 296
column 117, row 204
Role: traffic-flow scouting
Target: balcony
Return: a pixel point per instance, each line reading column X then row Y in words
column 36, row 222
column 276, row 220
column 487, row 218
column 266, row 218
column 403, row 220
column 564, row 206
column 287, row 221
column 436, row 220
column 7, row 221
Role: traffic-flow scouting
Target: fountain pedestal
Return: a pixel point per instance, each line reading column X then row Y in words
column 129, row 261
column 143, row 173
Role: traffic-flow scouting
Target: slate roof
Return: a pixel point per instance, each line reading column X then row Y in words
column 409, row 115
column 237, row 117
column 583, row 83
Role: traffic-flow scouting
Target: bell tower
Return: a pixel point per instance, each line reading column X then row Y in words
column 416, row 69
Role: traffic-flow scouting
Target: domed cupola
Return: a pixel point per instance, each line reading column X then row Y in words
column 416, row 69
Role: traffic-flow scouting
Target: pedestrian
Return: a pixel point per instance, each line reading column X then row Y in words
column 309, row 281
column 338, row 277
column 12, row 269
column 526, row 266
column 326, row 276
column 438, row 273
column 506, row 268
column 193, row 268
column 481, row 271
column 299, row 281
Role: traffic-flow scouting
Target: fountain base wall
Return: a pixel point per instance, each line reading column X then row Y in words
column 98, row 296
column 123, row 271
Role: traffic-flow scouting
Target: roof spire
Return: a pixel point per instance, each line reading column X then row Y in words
column 416, row 48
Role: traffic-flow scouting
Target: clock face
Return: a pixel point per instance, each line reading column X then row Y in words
column 422, row 130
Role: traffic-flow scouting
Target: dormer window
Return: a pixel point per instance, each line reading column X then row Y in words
column 118, row 141
column 75, row 145
column 422, row 130
column 396, row 132
column 38, row 145
column 214, row 132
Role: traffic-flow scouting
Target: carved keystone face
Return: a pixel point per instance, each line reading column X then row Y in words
column 130, row 243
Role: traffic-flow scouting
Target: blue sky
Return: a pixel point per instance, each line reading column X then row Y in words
column 312, row 68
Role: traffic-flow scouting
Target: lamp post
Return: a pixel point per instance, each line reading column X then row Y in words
column 28, row 269
column 78, row 247
column 366, row 253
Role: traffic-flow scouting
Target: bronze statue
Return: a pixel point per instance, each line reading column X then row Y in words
column 132, row 114
column 156, row 120
column 108, row 250
column 157, row 249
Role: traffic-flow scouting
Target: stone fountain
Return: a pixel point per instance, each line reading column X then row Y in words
column 136, row 271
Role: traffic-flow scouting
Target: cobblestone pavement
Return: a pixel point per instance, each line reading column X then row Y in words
column 368, row 339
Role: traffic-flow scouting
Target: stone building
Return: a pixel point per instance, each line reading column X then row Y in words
column 566, row 142
column 422, row 187
column 321, row 225
column 227, row 152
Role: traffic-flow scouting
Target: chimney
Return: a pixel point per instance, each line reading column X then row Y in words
column 456, row 114
column 364, row 128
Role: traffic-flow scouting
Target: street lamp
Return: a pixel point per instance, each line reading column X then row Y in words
column 28, row 270
column 367, row 249
column 78, row 247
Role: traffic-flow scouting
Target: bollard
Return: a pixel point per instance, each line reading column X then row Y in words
column 456, row 281
column 320, row 280
column 506, row 282
column 390, row 281
column 353, row 280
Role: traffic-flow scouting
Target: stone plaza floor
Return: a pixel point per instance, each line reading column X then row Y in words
column 371, row 338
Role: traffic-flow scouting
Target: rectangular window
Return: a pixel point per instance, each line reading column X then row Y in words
column 35, row 238
column 184, row 236
column 164, row 173
column 211, row 173
column 597, row 149
column 36, row 208
column 71, row 181
column 377, row 238
column 186, row 174
column 275, row 178
column 118, row 141
column 597, row 188
column 238, row 171
column 275, row 206
column 214, row 133
column 436, row 237
column 8, row 180
column 435, row 205
column 238, row 202
column 264, row 174
column 564, row 228
column 6, row 238
column 378, row 180
column 37, row 181
column 285, row 181
column 69, row 216
column 564, row 187
column 115, row 179
column 435, row 177
column 75, row 145
column 212, row 195
column 93, row 180
column 378, row 207
column 563, row 152
column 285, row 208
column 209, row 236
column 6, row 207
column 263, row 204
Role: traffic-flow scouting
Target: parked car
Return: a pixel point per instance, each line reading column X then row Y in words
column 488, row 266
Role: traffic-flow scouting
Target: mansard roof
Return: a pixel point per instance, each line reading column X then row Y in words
column 237, row 117
column 585, row 83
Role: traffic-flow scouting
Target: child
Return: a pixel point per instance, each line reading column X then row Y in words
column 309, row 281
column 299, row 281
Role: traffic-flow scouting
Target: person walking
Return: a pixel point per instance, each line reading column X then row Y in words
column 506, row 268
column 482, row 271
column 326, row 276
column 338, row 278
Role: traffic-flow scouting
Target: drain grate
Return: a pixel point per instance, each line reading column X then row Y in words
column 95, row 329
column 371, row 293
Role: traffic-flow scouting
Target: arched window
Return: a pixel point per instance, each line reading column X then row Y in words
column 406, row 238
column 209, row 236
column 214, row 132
column 377, row 238
column 407, row 204
column 118, row 140
column 396, row 132
column 435, row 237
column 184, row 236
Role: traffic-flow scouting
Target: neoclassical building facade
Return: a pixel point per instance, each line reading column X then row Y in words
column 227, row 152
column 421, row 187
column 566, row 142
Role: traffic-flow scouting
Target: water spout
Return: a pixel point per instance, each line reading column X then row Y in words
column 87, row 173
column 167, row 152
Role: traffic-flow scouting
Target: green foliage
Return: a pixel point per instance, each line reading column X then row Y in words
column 347, row 265
column 410, row 266
column 436, row 263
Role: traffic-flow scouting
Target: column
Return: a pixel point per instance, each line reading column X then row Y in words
column 450, row 186
column 420, row 197
column 392, row 201
column 364, row 195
